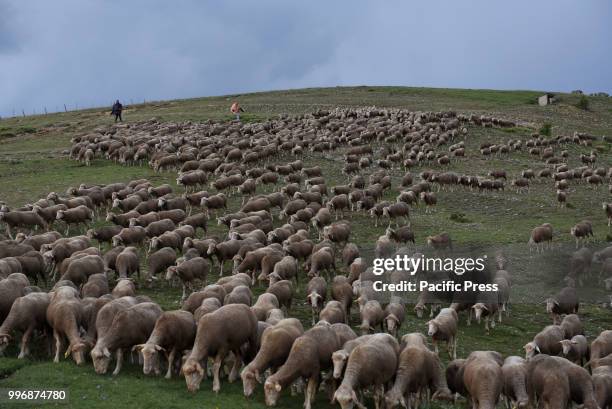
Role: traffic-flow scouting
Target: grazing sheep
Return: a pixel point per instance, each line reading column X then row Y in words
column 394, row 315
column 372, row 315
column 207, row 306
column 582, row 231
column 188, row 271
column 310, row 354
column 342, row 291
column 65, row 315
column 276, row 343
column 159, row 261
column 547, row 382
column 601, row 347
column 370, row 364
column 104, row 234
column 127, row 262
column 124, row 288
column 607, row 207
column 565, row 302
column 572, row 326
column 27, row 314
column 96, row 286
column 483, row 378
column 419, row 372
column 210, row 291
column 547, row 341
column 403, row 234
column 27, row 219
column 80, row 269
column 130, row 236
column 240, row 294
column 333, row 313
column 220, row 332
column 173, row 333
column 321, row 260
column 129, row 327
column 265, row 302
column 540, row 236
column 444, row 328
column 514, row 374
column 283, row 290
column 338, row 232
column 78, row 215
column 440, row 242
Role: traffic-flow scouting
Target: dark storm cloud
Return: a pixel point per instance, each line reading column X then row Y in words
column 89, row 52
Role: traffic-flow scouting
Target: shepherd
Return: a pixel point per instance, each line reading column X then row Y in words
column 236, row 110
column 117, row 108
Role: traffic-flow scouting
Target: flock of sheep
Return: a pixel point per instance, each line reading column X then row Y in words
column 93, row 306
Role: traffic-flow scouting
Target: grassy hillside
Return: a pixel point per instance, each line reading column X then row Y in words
column 33, row 163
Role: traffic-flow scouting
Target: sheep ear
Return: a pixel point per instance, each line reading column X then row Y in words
column 485, row 307
column 68, row 351
column 537, row 348
column 277, row 387
column 574, row 342
column 199, row 368
column 137, row 347
column 106, row 353
column 556, row 303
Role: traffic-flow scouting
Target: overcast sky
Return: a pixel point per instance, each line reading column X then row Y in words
column 90, row 52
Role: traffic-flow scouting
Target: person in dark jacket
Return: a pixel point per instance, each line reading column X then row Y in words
column 117, row 108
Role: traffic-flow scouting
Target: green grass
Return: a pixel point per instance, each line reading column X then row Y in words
column 33, row 162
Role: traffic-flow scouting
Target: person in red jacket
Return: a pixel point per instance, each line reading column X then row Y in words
column 236, row 110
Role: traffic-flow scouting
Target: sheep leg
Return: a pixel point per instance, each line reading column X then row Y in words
column 25, row 339
column 119, row 356
column 58, row 345
column 217, row 370
column 311, row 391
column 170, row 363
column 234, row 372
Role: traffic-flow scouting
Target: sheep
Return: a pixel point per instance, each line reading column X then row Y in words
column 129, row 327
column 104, row 234
column 582, row 231
column 240, row 294
column 196, row 268
column 384, row 248
column 540, row 236
column 309, row 355
column 218, row 333
column 159, row 227
column 8, row 266
column 80, row 214
column 49, row 214
column 321, row 260
column 338, row 204
column 514, row 373
column 38, row 240
column 276, row 343
column 430, row 199
column 601, row 347
column 338, row 232
column 547, row 341
column 127, row 262
column 173, row 333
column 207, row 306
column 575, row 349
column 80, row 269
column 164, row 203
column 124, row 287
column 444, row 328
column 607, row 207
column 28, row 219
column 33, row 265
column 357, row 267
column 96, row 286
column 65, row 315
column 403, row 234
column 192, row 179
column 299, row 250
column 565, row 302
column 372, row 315
column 198, row 220
column 265, row 302
column 286, row 269
column 333, row 313
column 130, row 235
column 419, row 370
column 440, row 241
column 27, row 314
column 283, row 290
column 372, row 363
column 547, row 382
column 122, row 219
column 214, row 202
column 394, row 316
column 483, row 378
column 572, row 326
column 316, row 295
column 176, row 215
column 350, row 252
column 486, row 310
column 224, row 251
column 292, row 207
column 159, row 261
column 210, row 291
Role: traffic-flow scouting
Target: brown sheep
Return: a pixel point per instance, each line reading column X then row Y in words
column 27, row 314
column 372, row 315
column 601, row 347
column 159, row 261
column 127, row 262
column 310, row 354
column 342, row 291
column 565, row 302
column 65, row 315
column 220, row 332
column 188, row 271
column 124, row 287
column 514, row 372
column 483, row 378
column 265, row 302
column 444, row 328
column 316, row 295
column 332, row 313
column 540, row 236
column 96, row 286
column 283, row 290
column 129, row 327
column 173, row 333
column 440, row 242
column 276, row 343
column 547, row 341
column 575, row 349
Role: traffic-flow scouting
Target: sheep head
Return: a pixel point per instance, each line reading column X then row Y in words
column 272, row 392
column 194, row 373
column 478, row 309
column 249, row 381
column 432, row 326
column 101, row 359
column 339, row 359
column 531, row 349
column 150, row 356
column 347, row 398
